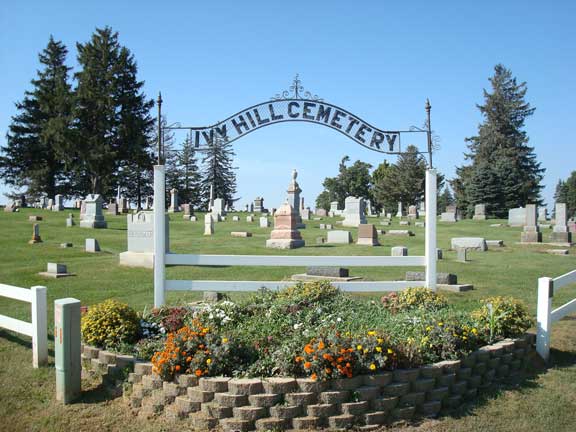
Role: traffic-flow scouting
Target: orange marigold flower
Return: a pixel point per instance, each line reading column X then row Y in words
column 198, row 372
column 177, row 367
column 308, row 349
column 313, row 377
column 321, row 345
column 328, row 370
column 188, row 359
column 307, row 365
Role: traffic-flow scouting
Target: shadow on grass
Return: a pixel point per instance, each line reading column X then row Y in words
column 17, row 339
column 96, row 395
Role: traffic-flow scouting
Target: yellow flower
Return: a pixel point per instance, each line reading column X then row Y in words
column 440, row 323
column 379, row 340
column 359, row 347
column 428, row 328
column 365, row 351
column 208, row 361
column 378, row 349
column 224, row 340
column 371, row 333
column 372, row 366
column 390, row 351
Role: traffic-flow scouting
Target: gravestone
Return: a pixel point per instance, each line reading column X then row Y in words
column 251, row 208
column 441, row 278
column 123, row 206
column 174, row 204
column 301, row 204
column 369, row 210
column 218, row 209
column 264, row 222
column 339, row 237
column 235, row 218
column 113, row 209
column 35, row 234
column 542, row 214
column 479, row 212
column 50, row 204
column 404, row 223
column 420, row 224
column 422, row 209
column 140, row 233
column 461, row 254
column 55, row 270
column 285, row 234
column 70, row 220
column 405, row 233
column 413, row 212
column 208, row 224
column 334, row 209
column 93, row 218
column 320, row 240
column 258, row 205
column 333, row 272
column 187, row 210
column 476, row 243
column 399, row 251
column 560, row 232
column 82, row 209
column 11, row 207
column 305, row 214
column 399, row 212
column 531, row 233
column 193, row 218
column 92, row 245
column 58, row 203
column 321, row 212
column 147, row 203
column 241, row 234
column 354, row 212
column 448, row 216
column 367, row 235
column 439, row 254
column 250, row 218
column 517, row 217
column 293, row 198
column 66, row 245
column 34, row 218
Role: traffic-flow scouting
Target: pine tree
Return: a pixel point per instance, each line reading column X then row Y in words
column 112, row 120
column 134, row 130
column 385, row 190
column 37, row 139
column 566, row 193
column 502, row 143
column 445, row 199
column 186, row 176
column 411, row 175
column 218, row 172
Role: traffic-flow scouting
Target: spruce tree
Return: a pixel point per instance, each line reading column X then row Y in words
column 111, row 113
column 502, row 143
column 218, row 172
column 33, row 157
column 411, row 175
column 385, row 190
column 185, row 176
column 445, row 199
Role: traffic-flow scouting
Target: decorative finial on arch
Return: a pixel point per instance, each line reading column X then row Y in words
column 296, row 91
column 294, row 174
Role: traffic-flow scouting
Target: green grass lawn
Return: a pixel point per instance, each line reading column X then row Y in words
column 546, row 401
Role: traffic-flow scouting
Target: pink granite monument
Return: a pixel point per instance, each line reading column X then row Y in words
column 285, row 234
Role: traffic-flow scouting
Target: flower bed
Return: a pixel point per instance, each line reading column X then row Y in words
column 410, row 349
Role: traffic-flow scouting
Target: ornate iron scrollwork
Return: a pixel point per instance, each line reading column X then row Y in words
column 296, row 91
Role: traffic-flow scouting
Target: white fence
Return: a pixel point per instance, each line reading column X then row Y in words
column 547, row 287
column 38, row 328
column 161, row 258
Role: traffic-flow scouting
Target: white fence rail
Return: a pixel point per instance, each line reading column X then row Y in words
column 38, row 328
column 545, row 315
column 162, row 259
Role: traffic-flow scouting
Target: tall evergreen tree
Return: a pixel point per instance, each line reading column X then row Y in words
column 502, row 143
column 218, row 172
column 385, row 191
column 566, row 193
column 410, row 176
column 186, row 177
column 32, row 159
column 111, row 113
column 445, row 199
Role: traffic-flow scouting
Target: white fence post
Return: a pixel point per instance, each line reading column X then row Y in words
column 159, row 235
column 545, row 296
column 430, row 229
column 39, row 327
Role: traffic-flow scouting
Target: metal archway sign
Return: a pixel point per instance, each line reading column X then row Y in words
column 297, row 105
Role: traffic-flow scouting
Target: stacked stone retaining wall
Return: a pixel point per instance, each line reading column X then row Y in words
column 275, row 403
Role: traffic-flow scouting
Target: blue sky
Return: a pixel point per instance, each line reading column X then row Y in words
column 379, row 60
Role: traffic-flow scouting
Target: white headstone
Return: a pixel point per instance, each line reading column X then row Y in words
column 339, row 237
column 218, row 209
column 92, row 245
column 354, row 212
column 174, row 204
column 208, row 224
column 58, row 203
column 517, row 216
column 93, row 216
column 264, row 222
column 399, row 212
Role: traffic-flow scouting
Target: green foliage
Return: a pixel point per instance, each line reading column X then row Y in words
column 504, row 172
column 502, row 317
column 414, row 298
column 445, row 199
column 309, row 292
column 218, row 172
column 37, row 137
column 566, row 193
column 110, row 324
column 350, row 181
